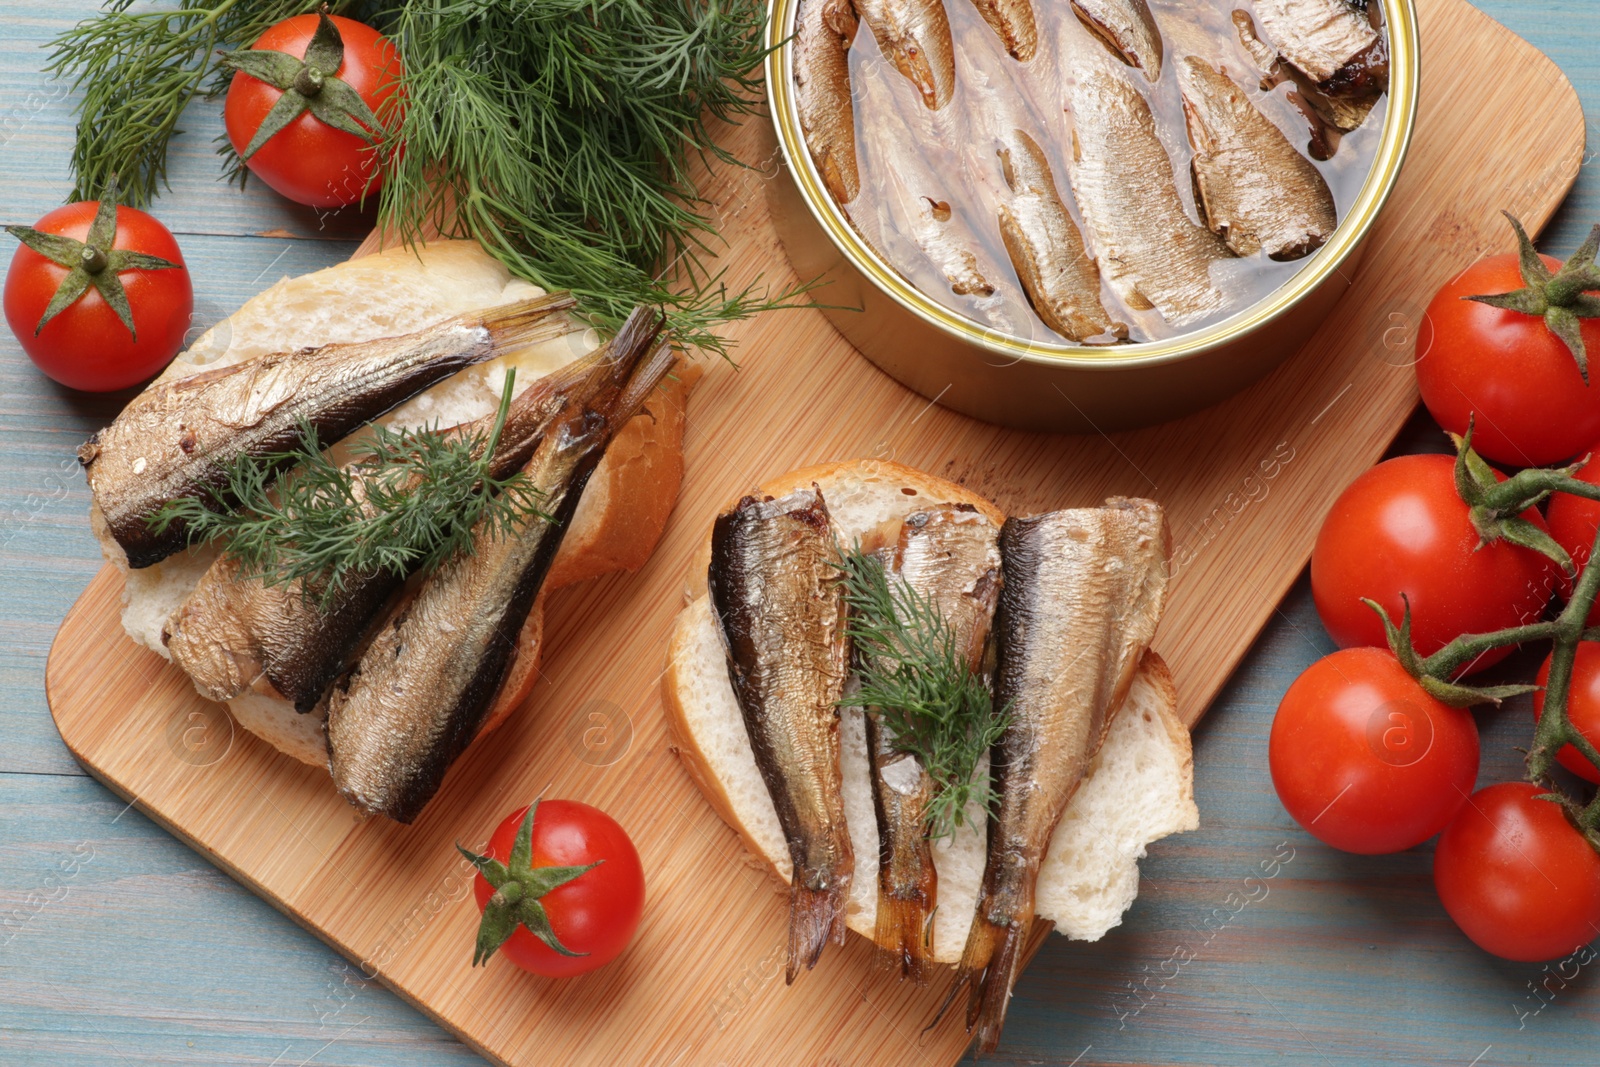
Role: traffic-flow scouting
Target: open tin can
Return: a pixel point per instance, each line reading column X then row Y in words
column 1055, row 385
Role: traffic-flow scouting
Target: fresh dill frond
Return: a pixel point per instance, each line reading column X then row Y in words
column 916, row 680
column 138, row 70
column 561, row 134
column 409, row 501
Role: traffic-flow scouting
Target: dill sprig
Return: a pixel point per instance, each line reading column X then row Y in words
column 916, row 680
column 409, row 501
column 559, row 134
column 138, row 70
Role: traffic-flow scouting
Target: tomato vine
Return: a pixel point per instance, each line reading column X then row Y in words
column 1496, row 508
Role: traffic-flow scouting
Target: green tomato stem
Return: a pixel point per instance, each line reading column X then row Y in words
column 1444, row 663
column 1527, row 488
column 1495, row 501
column 1555, row 728
column 308, row 82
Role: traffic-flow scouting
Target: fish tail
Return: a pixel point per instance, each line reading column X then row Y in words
column 638, row 331
column 816, row 916
column 988, row 967
column 636, row 364
column 527, row 322
column 969, row 972
column 608, row 367
column 902, row 931
column 974, row 962
column 646, row 378
column 991, row 992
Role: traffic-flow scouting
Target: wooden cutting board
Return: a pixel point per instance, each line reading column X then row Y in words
column 1245, row 484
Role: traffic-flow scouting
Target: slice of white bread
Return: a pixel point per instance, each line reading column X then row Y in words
column 620, row 517
column 1139, row 788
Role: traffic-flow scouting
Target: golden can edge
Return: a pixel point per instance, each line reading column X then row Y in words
column 1058, row 387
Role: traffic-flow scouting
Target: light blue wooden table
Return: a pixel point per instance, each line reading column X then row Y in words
column 120, row 946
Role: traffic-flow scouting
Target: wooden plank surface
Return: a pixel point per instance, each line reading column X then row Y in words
column 1055, row 1015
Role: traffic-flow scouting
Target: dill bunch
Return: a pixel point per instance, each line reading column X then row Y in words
column 410, row 501
column 915, row 679
column 559, row 134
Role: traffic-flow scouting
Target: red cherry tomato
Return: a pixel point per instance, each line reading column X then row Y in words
column 1583, row 706
column 1573, row 523
column 1533, row 408
column 309, row 161
column 1401, row 528
column 596, row 913
column 1516, row 877
column 1364, row 759
column 87, row 346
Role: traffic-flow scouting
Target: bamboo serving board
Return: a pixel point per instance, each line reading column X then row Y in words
column 1245, row 485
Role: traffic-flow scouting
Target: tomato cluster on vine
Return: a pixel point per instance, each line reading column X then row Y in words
column 1428, row 569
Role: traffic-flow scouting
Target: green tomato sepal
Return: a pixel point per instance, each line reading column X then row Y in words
column 1434, row 673
column 1495, row 506
column 518, row 888
column 1562, row 299
column 91, row 263
column 307, row 85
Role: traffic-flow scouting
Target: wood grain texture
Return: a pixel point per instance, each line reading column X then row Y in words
column 1244, row 483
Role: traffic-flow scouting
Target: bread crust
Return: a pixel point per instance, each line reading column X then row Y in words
column 628, row 501
column 682, row 738
column 1156, row 671
column 884, row 470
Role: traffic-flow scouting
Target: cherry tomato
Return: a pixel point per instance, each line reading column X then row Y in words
column 87, row 346
column 1533, row 408
column 594, row 914
column 1573, row 523
column 1583, row 706
column 1401, row 528
column 1516, row 877
column 309, row 161
column 1366, row 760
